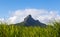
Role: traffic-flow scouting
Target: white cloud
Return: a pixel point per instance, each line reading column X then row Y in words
column 2, row 20
column 12, row 19
column 41, row 14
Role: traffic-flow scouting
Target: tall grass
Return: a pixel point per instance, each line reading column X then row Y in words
column 24, row 31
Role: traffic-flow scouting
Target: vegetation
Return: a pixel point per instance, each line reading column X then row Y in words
column 31, row 31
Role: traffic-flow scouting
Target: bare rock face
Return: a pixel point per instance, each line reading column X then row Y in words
column 29, row 21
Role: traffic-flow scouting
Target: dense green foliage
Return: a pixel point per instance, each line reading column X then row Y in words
column 31, row 31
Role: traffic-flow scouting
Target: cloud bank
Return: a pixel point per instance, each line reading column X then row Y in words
column 38, row 14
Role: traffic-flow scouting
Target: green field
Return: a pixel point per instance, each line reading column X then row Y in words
column 31, row 31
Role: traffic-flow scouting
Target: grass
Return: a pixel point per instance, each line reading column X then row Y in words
column 24, row 31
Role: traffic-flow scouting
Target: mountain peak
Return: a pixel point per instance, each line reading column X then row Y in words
column 30, row 21
column 29, row 16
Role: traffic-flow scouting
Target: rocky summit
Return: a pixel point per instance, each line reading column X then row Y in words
column 29, row 21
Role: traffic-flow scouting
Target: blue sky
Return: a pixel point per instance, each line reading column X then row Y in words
column 13, row 5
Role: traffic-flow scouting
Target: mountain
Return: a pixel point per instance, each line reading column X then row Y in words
column 29, row 21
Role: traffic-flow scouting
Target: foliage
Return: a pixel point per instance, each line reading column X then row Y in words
column 31, row 31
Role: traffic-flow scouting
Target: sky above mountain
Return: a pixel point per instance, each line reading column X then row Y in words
column 13, row 11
